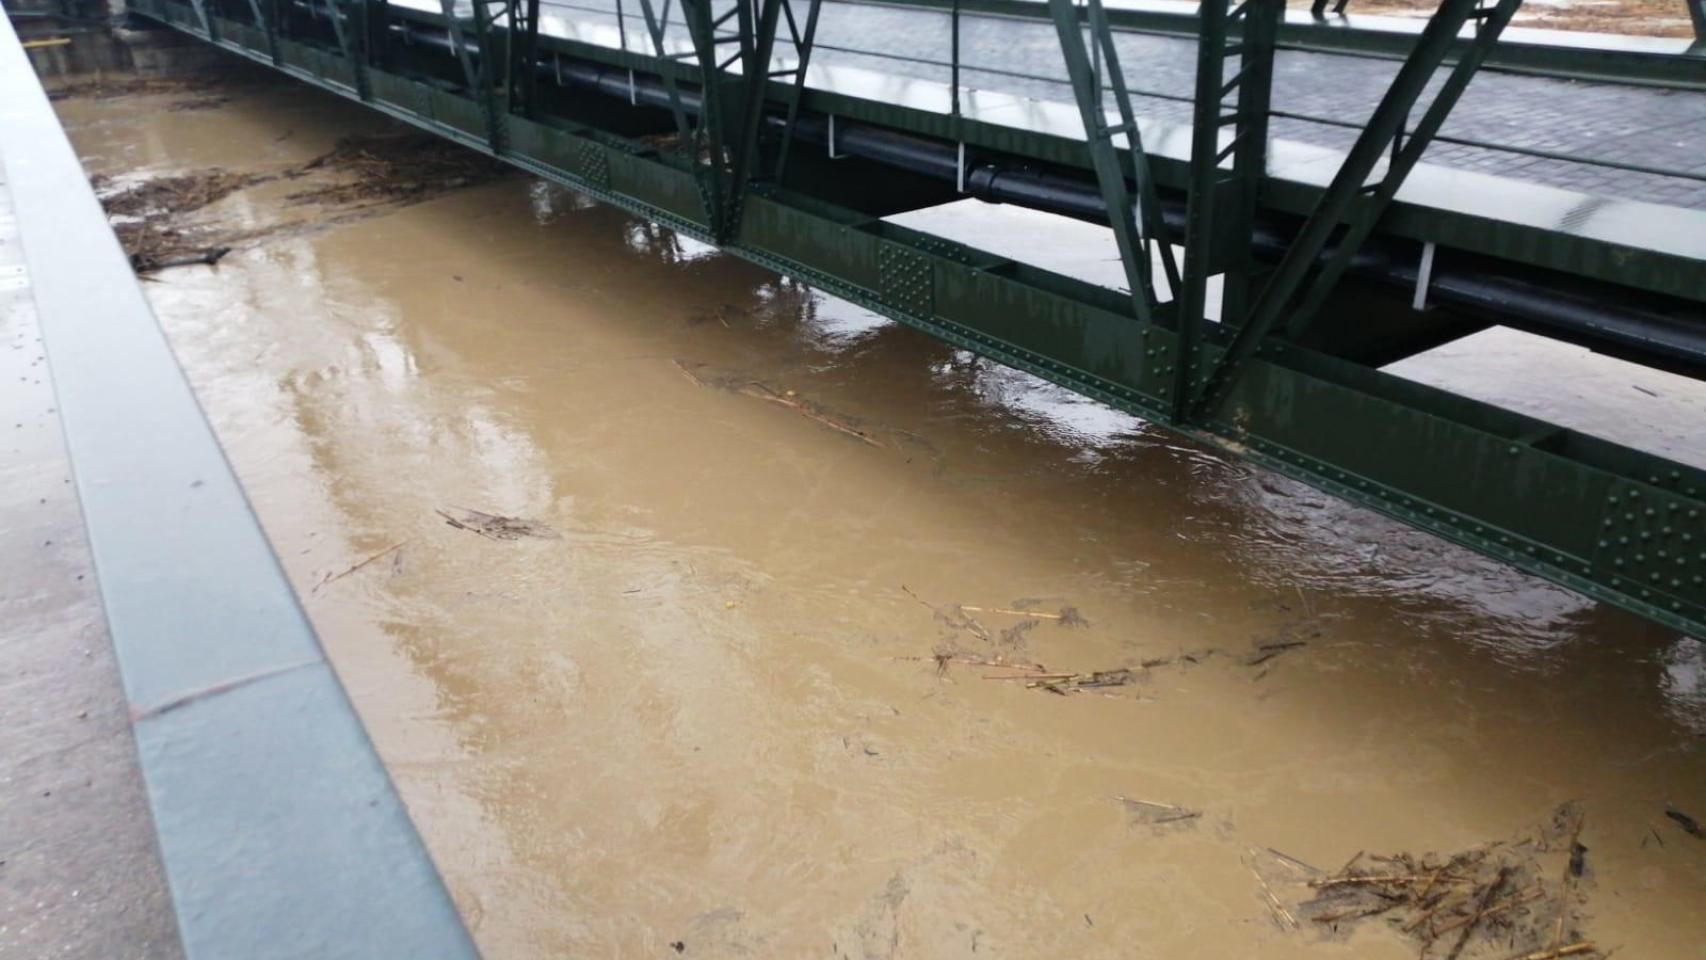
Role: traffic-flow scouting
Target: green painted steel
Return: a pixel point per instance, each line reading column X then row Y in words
column 1134, row 211
column 1452, row 208
column 1617, row 524
column 1352, row 206
column 1220, row 216
column 803, row 41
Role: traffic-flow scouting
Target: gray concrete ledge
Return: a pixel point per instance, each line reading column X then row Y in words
column 280, row 832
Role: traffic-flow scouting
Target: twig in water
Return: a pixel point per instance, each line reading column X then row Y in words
column 1572, row 870
column 1169, row 812
column 1688, row 824
column 761, row 392
column 1078, row 682
column 1268, row 651
column 1275, row 907
column 1528, row 896
column 1367, row 878
column 1012, row 613
column 1358, row 913
column 1428, row 914
column 908, row 591
column 1145, row 803
column 1308, row 608
column 687, row 372
column 1584, row 946
column 943, row 659
column 1486, row 898
column 330, row 577
column 1289, row 860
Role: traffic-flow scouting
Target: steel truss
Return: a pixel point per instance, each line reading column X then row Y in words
column 1277, row 380
column 1352, row 205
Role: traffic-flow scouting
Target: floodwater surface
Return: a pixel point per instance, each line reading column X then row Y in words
column 742, row 689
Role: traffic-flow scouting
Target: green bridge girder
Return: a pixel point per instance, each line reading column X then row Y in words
column 1617, row 524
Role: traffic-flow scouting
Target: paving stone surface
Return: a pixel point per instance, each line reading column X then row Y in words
column 1617, row 123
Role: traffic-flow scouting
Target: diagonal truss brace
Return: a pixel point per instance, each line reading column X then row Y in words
column 266, row 18
column 723, row 146
column 803, row 43
column 701, row 142
column 1221, row 208
column 376, row 33
column 1136, row 220
column 756, row 55
column 1351, row 205
column 351, row 42
column 521, row 78
column 471, row 75
column 481, row 78
column 207, row 28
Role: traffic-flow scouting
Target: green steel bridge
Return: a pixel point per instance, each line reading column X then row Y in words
column 1329, row 257
column 1298, row 201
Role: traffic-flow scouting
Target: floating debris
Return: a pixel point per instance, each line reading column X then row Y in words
column 332, row 577
column 1066, row 683
column 703, row 375
column 147, row 217
column 178, row 194
column 719, row 314
column 1688, row 824
column 944, row 660
column 206, row 102
column 1288, row 638
column 963, row 617
column 495, row 527
column 126, row 85
column 376, row 170
column 1064, row 616
column 1494, row 896
column 1283, row 917
column 1035, row 676
column 1268, row 651
column 366, row 173
column 810, row 411
column 1153, row 814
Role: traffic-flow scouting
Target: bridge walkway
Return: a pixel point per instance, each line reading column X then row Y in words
column 1322, row 98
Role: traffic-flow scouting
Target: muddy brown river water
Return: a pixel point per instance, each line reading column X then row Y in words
column 700, row 714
